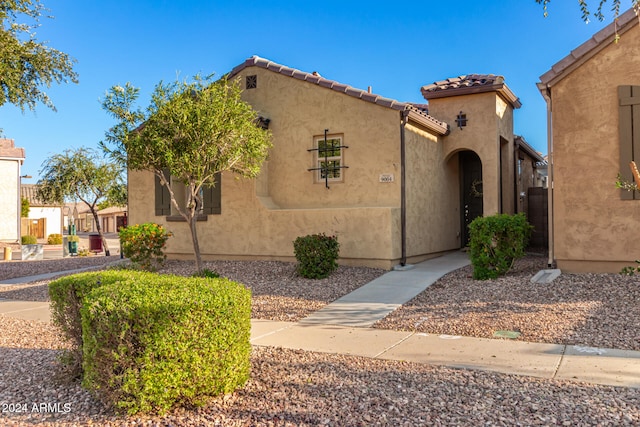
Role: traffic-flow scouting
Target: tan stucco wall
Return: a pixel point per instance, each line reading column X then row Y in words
column 299, row 111
column 433, row 196
column 594, row 230
column 248, row 229
column 10, row 212
column 489, row 118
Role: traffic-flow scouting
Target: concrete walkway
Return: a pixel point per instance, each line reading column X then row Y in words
column 375, row 300
column 341, row 328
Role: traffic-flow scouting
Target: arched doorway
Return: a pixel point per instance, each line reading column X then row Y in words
column 471, row 191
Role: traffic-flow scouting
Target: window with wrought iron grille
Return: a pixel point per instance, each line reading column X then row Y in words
column 329, row 158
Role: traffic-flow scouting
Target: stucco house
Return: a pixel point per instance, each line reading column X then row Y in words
column 111, row 218
column 397, row 183
column 11, row 160
column 593, row 100
column 44, row 218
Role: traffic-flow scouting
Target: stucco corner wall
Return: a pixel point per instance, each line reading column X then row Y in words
column 489, row 121
column 433, row 196
column 10, row 212
column 594, row 230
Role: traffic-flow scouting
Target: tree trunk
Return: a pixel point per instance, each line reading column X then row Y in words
column 196, row 245
column 104, row 241
column 189, row 213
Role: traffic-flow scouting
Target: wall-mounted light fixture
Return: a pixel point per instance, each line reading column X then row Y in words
column 461, row 120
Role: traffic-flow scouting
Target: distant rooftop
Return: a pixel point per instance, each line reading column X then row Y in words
column 28, row 191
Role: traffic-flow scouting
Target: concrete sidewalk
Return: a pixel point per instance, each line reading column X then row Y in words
column 331, row 330
column 375, row 300
column 585, row 364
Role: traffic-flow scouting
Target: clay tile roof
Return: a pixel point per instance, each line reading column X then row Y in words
column 314, row 78
column 470, row 80
column 588, row 49
column 470, row 84
column 9, row 150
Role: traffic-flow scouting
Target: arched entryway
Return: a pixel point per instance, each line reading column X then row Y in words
column 470, row 191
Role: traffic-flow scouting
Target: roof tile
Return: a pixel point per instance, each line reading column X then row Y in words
column 314, row 78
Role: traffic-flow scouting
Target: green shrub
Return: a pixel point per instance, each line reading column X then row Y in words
column 205, row 272
column 84, row 252
column 631, row 270
column 67, row 295
column 152, row 342
column 144, row 244
column 29, row 240
column 316, row 255
column 496, row 242
column 54, row 239
column 24, row 208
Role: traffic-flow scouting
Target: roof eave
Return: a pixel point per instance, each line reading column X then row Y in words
column 524, row 146
column 588, row 49
column 428, row 122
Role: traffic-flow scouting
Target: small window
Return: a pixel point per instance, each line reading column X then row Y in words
column 252, row 82
column 210, row 195
column 329, row 158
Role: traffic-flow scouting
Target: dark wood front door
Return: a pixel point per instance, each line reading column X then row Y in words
column 471, row 179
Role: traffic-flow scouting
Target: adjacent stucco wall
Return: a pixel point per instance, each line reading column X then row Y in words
column 9, row 200
column 594, row 230
column 433, row 199
column 489, row 118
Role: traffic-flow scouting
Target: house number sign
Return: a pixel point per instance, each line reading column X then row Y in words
column 386, row 177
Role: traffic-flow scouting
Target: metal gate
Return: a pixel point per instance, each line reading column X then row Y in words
column 538, row 215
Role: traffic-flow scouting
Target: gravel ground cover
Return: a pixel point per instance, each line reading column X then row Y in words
column 595, row 310
column 11, row 269
column 291, row 388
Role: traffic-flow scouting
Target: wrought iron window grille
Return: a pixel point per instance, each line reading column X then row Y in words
column 461, row 120
column 328, row 168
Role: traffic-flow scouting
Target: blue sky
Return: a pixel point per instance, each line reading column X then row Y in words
column 395, row 47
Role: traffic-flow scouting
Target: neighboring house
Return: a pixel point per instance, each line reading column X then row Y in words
column 44, row 218
column 593, row 99
column 111, row 218
column 11, row 159
column 395, row 184
column 530, row 170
